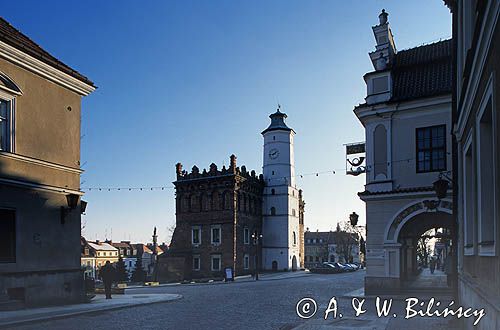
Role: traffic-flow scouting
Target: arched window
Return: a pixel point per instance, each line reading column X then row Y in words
column 205, row 202
column 185, row 203
column 273, row 210
column 7, row 109
column 194, row 205
column 380, row 155
column 227, row 200
column 215, row 201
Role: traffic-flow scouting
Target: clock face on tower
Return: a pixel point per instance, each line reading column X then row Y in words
column 274, row 153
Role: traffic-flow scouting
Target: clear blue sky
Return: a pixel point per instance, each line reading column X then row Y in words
column 194, row 81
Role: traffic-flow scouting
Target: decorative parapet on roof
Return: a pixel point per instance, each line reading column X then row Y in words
column 213, row 172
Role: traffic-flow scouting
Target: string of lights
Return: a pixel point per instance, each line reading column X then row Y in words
column 299, row 176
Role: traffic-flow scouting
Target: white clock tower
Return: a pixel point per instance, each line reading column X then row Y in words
column 280, row 207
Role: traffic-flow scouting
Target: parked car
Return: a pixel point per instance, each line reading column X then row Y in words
column 334, row 266
column 345, row 267
column 356, row 267
column 326, row 268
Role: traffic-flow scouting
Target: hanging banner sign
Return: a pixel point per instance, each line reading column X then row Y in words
column 355, row 158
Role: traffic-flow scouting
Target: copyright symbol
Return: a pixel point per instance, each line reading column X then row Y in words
column 306, row 308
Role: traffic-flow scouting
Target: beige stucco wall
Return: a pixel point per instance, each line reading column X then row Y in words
column 44, row 127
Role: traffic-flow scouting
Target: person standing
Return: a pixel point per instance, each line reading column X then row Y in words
column 432, row 265
column 107, row 275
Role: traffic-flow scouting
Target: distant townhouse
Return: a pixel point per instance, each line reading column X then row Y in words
column 103, row 252
column 88, row 259
column 147, row 256
column 40, row 205
column 330, row 246
column 128, row 252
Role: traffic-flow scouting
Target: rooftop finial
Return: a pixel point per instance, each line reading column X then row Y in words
column 383, row 17
column 279, row 108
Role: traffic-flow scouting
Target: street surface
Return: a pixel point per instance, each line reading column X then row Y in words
column 266, row 304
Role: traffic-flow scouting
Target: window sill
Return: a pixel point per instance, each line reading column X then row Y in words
column 487, row 249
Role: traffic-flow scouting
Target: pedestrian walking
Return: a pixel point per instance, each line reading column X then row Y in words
column 107, row 275
column 432, row 265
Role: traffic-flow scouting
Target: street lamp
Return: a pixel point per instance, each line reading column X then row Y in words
column 353, row 218
column 72, row 201
column 256, row 237
column 441, row 185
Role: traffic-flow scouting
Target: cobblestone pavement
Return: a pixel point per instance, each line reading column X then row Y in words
column 245, row 305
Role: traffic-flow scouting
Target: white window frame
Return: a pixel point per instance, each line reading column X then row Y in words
column 10, row 119
column 212, row 257
column 246, row 236
column 468, row 201
column 246, row 261
column 219, row 227
column 198, row 228
column 487, row 250
column 197, row 256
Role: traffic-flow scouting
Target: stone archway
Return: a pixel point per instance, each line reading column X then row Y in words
column 410, row 234
column 400, row 236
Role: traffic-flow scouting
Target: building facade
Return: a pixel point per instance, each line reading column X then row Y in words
column 330, row 246
column 103, row 252
column 40, row 208
column 476, row 120
column 234, row 218
column 407, row 121
column 217, row 211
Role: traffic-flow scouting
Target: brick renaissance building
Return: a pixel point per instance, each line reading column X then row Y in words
column 222, row 217
column 216, row 213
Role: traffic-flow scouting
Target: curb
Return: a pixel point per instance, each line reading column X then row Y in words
column 76, row 313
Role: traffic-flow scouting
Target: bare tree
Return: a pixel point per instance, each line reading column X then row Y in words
column 170, row 233
column 346, row 239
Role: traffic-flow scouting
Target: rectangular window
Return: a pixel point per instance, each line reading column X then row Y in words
column 246, row 261
column 4, row 125
column 431, row 148
column 216, row 262
column 216, row 235
column 196, row 262
column 485, row 179
column 246, row 236
column 196, row 235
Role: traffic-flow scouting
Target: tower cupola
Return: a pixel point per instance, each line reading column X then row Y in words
column 277, row 122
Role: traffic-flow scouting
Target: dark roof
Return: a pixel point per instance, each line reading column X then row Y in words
column 328, row 237
column 18, row 40
column 396, row 191
column 277, row 122
column 422, row 71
